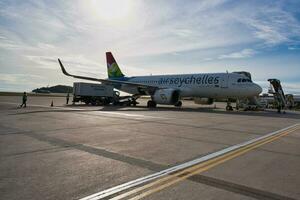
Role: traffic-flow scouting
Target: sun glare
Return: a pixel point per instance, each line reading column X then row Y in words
column 110, row 10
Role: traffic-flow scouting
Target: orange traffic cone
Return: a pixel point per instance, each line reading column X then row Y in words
column 51, row 103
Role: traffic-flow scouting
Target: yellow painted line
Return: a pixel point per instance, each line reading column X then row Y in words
column 207, row 167
column 184, row 174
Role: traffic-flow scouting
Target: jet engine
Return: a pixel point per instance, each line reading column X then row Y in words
column 166, row 96
column 206, row 101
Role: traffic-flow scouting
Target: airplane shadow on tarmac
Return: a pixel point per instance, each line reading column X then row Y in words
column 266, row 113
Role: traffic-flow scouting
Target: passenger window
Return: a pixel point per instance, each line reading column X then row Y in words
column 239, row 80
column 244, row 80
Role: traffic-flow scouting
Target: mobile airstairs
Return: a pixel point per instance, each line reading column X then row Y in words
column 280, row 100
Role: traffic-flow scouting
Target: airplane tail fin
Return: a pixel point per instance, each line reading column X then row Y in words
column 113, row 69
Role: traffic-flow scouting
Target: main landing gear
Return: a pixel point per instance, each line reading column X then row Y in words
column 178, row 104
column 151, row 104
column 134, row 102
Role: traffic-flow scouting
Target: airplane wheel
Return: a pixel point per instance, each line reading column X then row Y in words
column 229, row 108
column 134, row 102
column 154, row 104
column 151, row 104
column 178, row 104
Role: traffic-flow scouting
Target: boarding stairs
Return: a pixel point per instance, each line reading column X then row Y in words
column 277, row 91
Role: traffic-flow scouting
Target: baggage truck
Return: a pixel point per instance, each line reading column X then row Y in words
column 94, row 94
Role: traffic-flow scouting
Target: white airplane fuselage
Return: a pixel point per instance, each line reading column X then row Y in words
column 208, row 85
column 168, row 89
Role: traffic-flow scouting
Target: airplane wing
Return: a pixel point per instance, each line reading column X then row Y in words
column 143, row 87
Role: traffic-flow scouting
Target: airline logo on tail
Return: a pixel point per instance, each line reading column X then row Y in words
column 113, row 69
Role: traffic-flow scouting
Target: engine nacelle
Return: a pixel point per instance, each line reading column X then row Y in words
column 166, row 96
column 206, row 101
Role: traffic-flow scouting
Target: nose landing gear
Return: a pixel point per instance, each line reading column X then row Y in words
column 151, row 104
column 178, row 104
column 229, row 106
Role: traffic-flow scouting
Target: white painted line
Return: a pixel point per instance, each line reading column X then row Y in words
column 165, row 172
column 99, row 112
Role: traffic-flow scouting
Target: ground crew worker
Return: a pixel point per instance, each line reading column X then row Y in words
column 279, row 107
column 67, row 97
column 24, row 100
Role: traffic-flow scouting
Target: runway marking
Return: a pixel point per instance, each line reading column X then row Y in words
column 168, row 177
column 198, row 169
column 99, row 112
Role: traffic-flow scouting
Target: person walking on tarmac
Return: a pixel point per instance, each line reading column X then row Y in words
column 67, row 98
column 24, row 100
column 279, row 107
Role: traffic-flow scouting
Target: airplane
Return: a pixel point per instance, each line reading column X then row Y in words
column 204, row 88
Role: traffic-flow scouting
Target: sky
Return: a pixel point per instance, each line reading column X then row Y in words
column 148, row 37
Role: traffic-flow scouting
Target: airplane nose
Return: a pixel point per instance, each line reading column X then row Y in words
column 257, row 89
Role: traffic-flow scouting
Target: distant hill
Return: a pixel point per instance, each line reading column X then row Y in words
column 54, row 89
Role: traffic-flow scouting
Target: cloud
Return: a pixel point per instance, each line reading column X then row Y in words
column 293, row 48
column 19, row 78
column 21, row 82
column 268, row 32
column 15, row 77
column 6, row 43
column 245, row 53
column 273, row 25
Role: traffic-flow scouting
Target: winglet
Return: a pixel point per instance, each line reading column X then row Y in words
column 63, row 69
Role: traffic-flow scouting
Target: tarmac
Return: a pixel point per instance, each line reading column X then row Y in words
column 72, row 152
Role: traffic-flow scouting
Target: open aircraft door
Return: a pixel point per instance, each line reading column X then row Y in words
column 224, row 81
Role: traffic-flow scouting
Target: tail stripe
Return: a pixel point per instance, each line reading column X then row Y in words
column 113, row 69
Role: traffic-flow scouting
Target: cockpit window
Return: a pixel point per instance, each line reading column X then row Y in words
column 244, row 80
